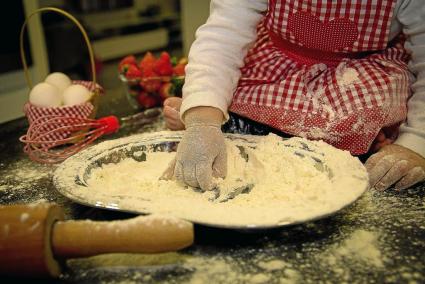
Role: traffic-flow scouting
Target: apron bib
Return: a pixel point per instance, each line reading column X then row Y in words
column 325, row 70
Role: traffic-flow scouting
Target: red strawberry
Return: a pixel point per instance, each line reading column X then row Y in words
column 125, row 63
column 178, row 70
column 166, row 91
column 165, row 56
column 147, row 101
column 148, row 73
column 163, row 65
column 133, row 72
column 130, row 59
column 122, row 69
column 147, row 63
column 150, row 85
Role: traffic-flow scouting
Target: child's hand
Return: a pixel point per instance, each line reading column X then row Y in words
column 172, row 114
column 385, row 137
column 395, row 164
column 380, row 141
column 201, row 154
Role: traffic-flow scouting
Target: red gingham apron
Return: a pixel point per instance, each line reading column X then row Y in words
column 325, row 70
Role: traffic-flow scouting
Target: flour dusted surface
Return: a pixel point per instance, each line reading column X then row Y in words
column 293, row 181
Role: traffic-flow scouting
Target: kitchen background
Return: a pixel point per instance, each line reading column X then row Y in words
column 116, row 28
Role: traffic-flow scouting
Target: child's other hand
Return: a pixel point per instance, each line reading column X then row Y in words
column 395, row 164
column 172, row 114
column 385, row 137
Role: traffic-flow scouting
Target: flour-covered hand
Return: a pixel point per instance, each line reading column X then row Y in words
column 395, row 165
column 201, row 155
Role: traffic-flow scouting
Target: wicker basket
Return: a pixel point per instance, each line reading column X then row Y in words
column 85, row 110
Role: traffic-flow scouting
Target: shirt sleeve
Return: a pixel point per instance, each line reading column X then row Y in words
column 411, row 15
column 218, row 52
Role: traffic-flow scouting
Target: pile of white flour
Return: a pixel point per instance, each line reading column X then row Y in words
column 293, row 180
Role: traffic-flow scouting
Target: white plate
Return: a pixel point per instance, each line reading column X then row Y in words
column 70, row 178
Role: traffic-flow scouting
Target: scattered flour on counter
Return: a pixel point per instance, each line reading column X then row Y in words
column 272, row 265
column 223, row 269
column 260, row 278
column 220, row 269
column 291, row 276
column 21, row 176
column 215, row 267
column 361, row 246
column 25, row 181
column 199, row 269
column 25, row 171
column 294, row 180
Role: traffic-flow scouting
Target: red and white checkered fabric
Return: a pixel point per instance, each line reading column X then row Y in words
column 326, row 24
column 43, row 114
column 344, row 102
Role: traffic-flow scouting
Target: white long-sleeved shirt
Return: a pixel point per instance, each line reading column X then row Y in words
column 221, row 45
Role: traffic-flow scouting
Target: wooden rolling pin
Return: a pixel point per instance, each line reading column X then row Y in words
column 34, row 239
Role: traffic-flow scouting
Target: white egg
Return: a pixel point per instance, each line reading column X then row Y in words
column 45, row 95
column 75, row 95
column 60, row 80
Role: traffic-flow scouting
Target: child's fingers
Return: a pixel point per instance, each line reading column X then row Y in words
column 373, row 160
column 171, row 125
column 173, row 102
column 170, row 112
column 174, row 124
column 169, row 172
column 172, row 119
column 381, row 168
column 415, row 175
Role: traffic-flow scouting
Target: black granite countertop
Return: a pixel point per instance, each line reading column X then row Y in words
column 380, row 239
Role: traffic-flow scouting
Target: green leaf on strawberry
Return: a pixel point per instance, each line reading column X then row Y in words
column 174, row 60
column 177, row 85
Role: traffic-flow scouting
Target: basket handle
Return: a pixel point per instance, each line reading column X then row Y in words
column 76, row 22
